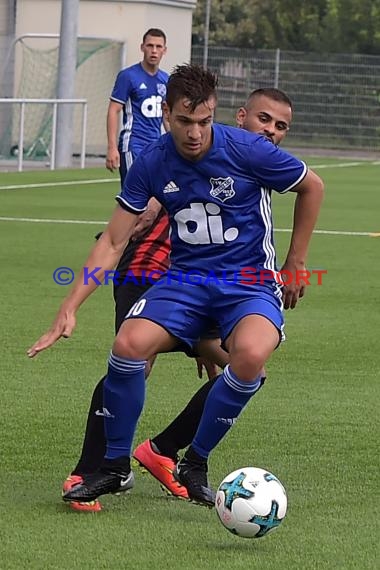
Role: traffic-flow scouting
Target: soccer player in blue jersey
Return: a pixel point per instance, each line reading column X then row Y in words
column 267, row 111
column 138, row 93
column 214, row 182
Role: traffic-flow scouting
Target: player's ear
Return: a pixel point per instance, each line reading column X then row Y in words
column 165, row 110
column 240, row 117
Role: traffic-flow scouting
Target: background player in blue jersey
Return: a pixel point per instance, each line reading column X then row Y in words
column 138, row 92
column 213, row 181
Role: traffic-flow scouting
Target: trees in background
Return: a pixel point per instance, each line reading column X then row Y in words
column 302, row 25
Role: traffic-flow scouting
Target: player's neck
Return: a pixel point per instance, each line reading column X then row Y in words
column 149, row 68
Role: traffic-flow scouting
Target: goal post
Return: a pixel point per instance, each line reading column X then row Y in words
column 18, row 149
column 35, row 61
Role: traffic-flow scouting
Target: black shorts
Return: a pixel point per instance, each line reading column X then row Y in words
column 125, row 296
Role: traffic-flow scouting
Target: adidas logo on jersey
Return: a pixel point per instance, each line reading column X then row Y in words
column 143, row 86
column 171, row 187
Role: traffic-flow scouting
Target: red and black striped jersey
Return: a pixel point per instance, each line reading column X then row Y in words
column 149, row 253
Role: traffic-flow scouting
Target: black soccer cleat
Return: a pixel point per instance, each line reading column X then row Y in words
column 193, row 476
column 101, row 482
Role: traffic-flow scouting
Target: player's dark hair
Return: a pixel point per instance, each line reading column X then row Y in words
column 192, row 82
column 155, row 32
column 271, row 93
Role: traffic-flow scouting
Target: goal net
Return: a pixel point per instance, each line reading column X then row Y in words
column 36, row 75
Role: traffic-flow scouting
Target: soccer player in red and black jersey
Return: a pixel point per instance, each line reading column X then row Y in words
column 268, row 112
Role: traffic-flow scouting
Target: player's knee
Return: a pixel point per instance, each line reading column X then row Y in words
column 248, row 363
column 127, row 346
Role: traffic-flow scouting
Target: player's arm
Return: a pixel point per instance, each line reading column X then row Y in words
column 103, row 257
column 113, row 126
column 306, row 209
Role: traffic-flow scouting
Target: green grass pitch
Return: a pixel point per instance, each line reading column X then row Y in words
column 315, row 425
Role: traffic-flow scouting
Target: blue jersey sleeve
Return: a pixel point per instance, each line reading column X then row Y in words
column 122, row 88
column 275, row 168
column 136, row 189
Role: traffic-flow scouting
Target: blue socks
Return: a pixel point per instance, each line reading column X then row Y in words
column 225, row 401
column 123, row 401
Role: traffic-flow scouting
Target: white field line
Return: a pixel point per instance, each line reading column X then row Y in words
column 108, row 180
column 331, row 232
column 55, row 184
column 102, row 222
column 51, row 221
column 346, row 164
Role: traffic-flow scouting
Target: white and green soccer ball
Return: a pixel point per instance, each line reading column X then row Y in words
column 251, row 502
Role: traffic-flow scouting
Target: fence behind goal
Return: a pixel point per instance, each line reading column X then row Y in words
column 34, row 59
column 336, row 97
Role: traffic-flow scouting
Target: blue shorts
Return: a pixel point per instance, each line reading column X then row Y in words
column 126, row 160
column 185, row 309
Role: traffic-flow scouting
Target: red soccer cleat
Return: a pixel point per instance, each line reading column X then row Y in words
column 161, row 467
column 90, row 507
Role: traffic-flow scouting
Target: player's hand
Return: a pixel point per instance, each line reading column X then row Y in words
column 210, row 367
column 143, row 225
column 294, row 286
column 112, row 160
column 146, row 219
column 62, row 327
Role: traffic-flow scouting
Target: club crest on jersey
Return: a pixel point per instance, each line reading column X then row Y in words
column 222, row 188
column 161, row 89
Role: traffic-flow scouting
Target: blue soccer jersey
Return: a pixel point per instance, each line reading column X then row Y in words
column 141, row 95
column 220, row 206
